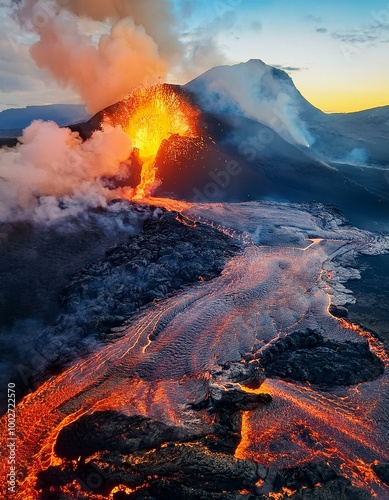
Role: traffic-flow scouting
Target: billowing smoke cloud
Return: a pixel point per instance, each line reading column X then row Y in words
column 53, row 174
column 137, row 49
column 102, row 49
column 154, row 15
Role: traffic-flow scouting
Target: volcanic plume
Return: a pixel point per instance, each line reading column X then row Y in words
column 135, row 51
column 52, row 173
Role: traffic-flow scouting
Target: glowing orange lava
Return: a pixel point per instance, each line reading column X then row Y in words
column 308, row 430
column 123, row 489
column 153, row 115
column 198, row 329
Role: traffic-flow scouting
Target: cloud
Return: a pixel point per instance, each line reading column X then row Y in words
column 106, row 70
column 21, row 81
column 373, row 32
column 201, row 48
column 366, row 36
column 155, row 16
column 317, row 21
column 102, row 49
column 288, row 68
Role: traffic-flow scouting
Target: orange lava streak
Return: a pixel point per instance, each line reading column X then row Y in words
column 375, row 345
column 245, row 432
column 349, row 424
column 152, row 116
column 325, row 429
column 60, row 401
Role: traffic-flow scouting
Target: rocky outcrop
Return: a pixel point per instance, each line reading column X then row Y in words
column 338, row 311
column 178, row 469
column 306, row 356
column 317, row 481
column 228, row 402
column 114, row 431
column 155, row 460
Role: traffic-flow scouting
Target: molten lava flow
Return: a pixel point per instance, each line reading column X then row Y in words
column 154, row 115
column 169, row 349
column 374, row 344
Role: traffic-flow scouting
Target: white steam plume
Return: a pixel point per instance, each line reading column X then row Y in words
column 257, row 91
column 53, row 174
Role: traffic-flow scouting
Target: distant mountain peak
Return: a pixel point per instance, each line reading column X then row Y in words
column 62, row 114
column 257, row 91
column 276, row 72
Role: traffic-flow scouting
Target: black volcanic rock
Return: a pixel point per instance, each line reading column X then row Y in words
column 179, row 469
column 168, row 255
column 338, row 311
column 113, row 430
column 249, row 374
column 155, row 461
column 192, row 468
column 90, row 278
column 228, row 401
column 234, row 398
column 307, row 356
column 317, row 481
column 382, row 471
column 132, row 450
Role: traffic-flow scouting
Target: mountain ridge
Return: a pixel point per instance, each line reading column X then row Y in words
column 62, row 114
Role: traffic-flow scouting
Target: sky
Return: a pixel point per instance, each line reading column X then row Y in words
column 337, row 52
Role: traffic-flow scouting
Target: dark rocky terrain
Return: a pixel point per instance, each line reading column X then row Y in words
column 371, row 294
column 150, row 460
column 162, row 254
column 307, row 357
column 95, row 303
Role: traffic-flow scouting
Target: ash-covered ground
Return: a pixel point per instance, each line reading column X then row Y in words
column 194, row 350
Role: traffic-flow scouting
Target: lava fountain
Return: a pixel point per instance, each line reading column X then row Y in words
column 150, row 116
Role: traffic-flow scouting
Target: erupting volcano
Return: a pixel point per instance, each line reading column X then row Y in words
column 194, row 344
column 150, row 116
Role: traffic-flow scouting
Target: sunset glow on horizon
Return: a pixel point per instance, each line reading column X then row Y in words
column 336, row 54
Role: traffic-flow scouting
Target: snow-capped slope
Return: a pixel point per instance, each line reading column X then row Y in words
column 268, row 95
column 257, row 91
